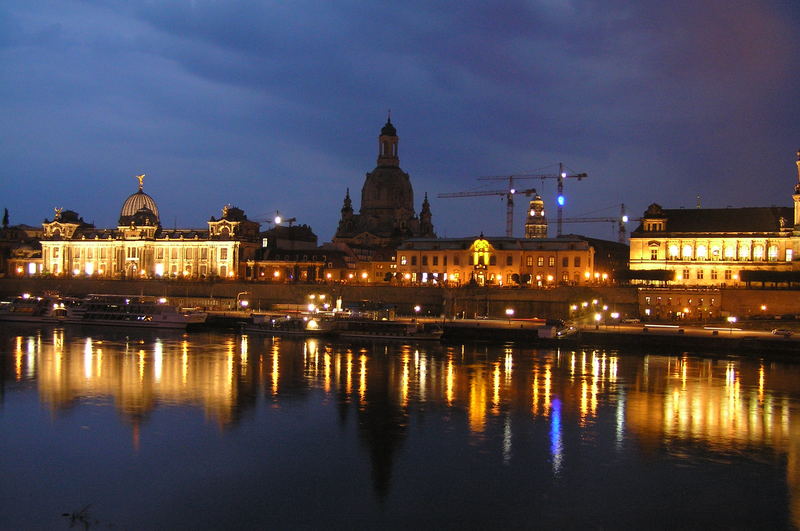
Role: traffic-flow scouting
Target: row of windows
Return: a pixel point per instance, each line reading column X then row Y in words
column 691, row 301
column 133, row 252
column 540, row 260
column 701, row 275
column 702, row 253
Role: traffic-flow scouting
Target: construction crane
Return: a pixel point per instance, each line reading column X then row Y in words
column 508, row 194
column 561, row 175
column 618, row 221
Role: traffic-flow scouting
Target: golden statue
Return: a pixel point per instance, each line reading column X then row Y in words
column 58, row 213
column 141, row 181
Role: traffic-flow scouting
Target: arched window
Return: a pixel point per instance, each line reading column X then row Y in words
column 702, row 252
column 772, row 253
column 730, row 252
column 744, row 252
column 673, row 252
column 758, row 252
column 687, row 252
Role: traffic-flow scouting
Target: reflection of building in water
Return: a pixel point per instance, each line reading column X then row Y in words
column 139, row 375
column 720, row 404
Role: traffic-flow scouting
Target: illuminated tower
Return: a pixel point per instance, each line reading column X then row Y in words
column 536, row 222
column 796, row 198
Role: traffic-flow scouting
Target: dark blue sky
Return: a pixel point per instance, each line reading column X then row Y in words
column 277, row 105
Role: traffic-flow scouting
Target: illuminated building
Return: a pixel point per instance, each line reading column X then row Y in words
column 140, row 248
column 536, row 221
column 718, row 246
column 542, row 262
column 387, row 213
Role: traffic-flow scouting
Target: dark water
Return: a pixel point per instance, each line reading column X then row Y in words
column 140, row 430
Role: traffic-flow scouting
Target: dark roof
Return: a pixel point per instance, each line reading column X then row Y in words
column 725, row 220
column 388, row 129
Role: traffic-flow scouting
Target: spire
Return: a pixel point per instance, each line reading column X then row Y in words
column 797, row 184
column 387, row 145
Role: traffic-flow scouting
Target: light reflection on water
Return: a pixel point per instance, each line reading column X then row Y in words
column 689, row 411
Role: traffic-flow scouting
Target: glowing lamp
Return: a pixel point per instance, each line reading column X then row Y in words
column 561, row 200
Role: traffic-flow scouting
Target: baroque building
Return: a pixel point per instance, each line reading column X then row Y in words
column 540, row 262
column 718, row 246
column 387, row 214
column 139, row 247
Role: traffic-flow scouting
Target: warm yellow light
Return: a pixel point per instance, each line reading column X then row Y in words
column 364, row 275
column 587, row 275
column 417, row 308
column 573, row 307
column 763, row 307
column 598, row 316
column 407, row 276
column 605, row 276
column 686, row 310
column 509, row 311
column 597, row 275
column 594, row 302
column 584, row 304
column 276, row 274
column 549, row 278
column 19, row 269
column 735, row 277
column 328, row 275
column 615, row 315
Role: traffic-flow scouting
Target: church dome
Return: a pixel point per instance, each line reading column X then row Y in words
column 136, row 202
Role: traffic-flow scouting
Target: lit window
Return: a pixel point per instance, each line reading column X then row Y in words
column 654, row 254
column 551, row 261
column 788, row 255
column 730, row 252
column 772, row 253
column 687, row 252
column 673, row 252
column 744, row 252
column 758, row 252
column 702, row 252
column 540, row 261
column 403, row 260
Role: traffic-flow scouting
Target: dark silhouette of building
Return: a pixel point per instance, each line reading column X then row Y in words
column 387, row 214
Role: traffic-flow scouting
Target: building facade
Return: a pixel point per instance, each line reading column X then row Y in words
column 718, row 246
column 540, row 262
column 140, row 248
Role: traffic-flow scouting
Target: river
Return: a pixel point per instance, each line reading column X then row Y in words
column 164, row 430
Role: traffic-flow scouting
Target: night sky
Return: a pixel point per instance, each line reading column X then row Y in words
column 277, row 105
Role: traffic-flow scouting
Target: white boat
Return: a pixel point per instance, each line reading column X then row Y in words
column 37, row 309
column 132, row 310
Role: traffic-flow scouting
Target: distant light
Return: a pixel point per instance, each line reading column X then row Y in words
column 513, row 191
column 417, row 308
column 624, row 219
column 598, row 316
column 162, row 300
column 615, row 315
column 561, row 200
column 509, row 311
column 563, row 174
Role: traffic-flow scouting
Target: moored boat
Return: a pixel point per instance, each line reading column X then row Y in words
column 28, row 308
column 380, row 329
column 298, row 325
column 132, row 311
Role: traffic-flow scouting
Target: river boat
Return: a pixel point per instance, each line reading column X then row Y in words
column 37, row 309
column 133, row 311
column 381, row 329
column 290, row 325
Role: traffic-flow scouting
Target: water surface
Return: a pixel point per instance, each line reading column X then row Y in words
column 143, row 430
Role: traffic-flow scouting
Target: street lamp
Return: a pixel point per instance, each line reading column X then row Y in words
column 597, row 317
column 509, row 313
column 417, row 309
column 731, row 321
column 240, row 302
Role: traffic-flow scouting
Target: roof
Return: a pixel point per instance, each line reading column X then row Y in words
column 725, row 220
